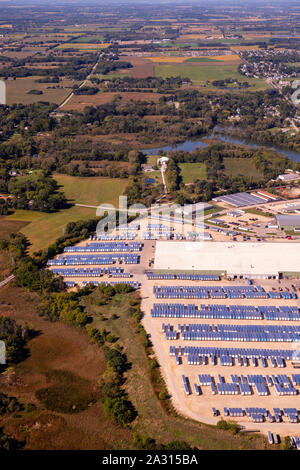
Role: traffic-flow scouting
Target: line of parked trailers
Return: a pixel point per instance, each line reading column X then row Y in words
column 182, row 277
column 90, row 272
column 134, row 285
column 231, row 356
column 245, row 385
column 112, row 258
column 223, row 332
column 249, row 353
column 218, row 292
column 105, row 247
column 219, row 311
column 259, row 415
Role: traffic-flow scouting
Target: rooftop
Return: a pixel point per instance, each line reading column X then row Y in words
column 233, row 258
column 293, row 220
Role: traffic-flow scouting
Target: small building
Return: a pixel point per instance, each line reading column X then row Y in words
column 235, row 213
column 147, row 167
column 290, row 223
column 216, row 221
column 162, row 161
column 288, row 177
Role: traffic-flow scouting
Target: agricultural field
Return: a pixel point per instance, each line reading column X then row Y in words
column 17, row 90
column 78, row 102
column 188, row 59
column 199, row 74
column 88, row 39
column 83, row 46
column 142, row 67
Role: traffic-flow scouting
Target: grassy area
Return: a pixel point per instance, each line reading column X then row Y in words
column 42, row 228
column 7, row 225
column 88, row 39
column 152, row 159
column 201, row 59
column 45, row 228
column 67, row 392
column 152, row 419
column 91, row 191
column 259, row 212
column 62, row 360
column 110, row 76
column 83, row 46
column 192, row 171
column 212, row 210
column 242, row 166
column 200, row 74
column 24, row 216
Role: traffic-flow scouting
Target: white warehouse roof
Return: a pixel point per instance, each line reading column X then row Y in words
column 288, row 220
column 257, row 259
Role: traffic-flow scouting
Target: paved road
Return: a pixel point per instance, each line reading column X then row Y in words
column 163, row 169
column 7, row 280
column 80, row 86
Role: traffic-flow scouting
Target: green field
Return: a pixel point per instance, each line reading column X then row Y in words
column 192, row 171
column 88, row 39
column 201, row 59
column 91, row 191
column 42, row 229
column 45, row 228
column 82, row 46
column 242, row 166
column 202, row 73
column 109, row 76
column 152, row 159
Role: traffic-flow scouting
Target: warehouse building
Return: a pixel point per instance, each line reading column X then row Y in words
column 289, row 223
column 237, row 260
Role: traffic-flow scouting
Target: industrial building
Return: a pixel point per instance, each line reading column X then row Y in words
column 237, row 260
column 247, row 199
column 289, row 223
column 288, row 177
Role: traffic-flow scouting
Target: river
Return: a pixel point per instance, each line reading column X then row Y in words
column 190, row 145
